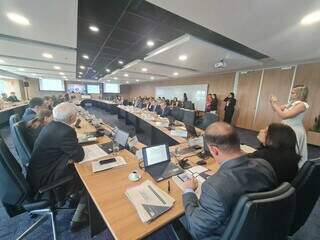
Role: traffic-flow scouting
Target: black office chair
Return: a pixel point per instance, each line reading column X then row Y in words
column 14, row 118
column 307, row 190
column 17, row 197
column 208, row 119
column 263, row 216
column 20, row 142
column 189, row 117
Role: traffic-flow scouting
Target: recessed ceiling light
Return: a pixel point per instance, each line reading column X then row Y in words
column 150, row 43
column 85, row 56
column 21, row 69
column 127, row 82
column 61, row 73
column 82, row 67
column 175, row 74
column 120, row 62
column 57, row 67
column 137, row 80
column 96, row 78
column 311, row 18
column 126, row 75
column 144, row 69
column 115, row 78
column 47, row 55
column 108, row 80
column 152, row 78
column 183, row 57
column 2, row 61
column 81, row 73
column 108, row 70
column 14, row 17
column 94, row 28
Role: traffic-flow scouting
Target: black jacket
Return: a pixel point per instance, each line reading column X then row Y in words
column 284, row 163
column 54, row 147
column 208, row 217
column 232, row 103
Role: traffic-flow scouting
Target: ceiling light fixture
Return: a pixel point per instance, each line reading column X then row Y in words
column 82, row 67
column 137, row 80
column 127, row 82
column 144, row 69
column 108, row 70
column 57, row 67
column 94, row 28
column 152, row 78
column 21, row 69
column 61, row 73
column 14, row 17
column 47, row 55
column 85, row 56
column 108, row 80
column 115, row 78
column 120, row 62
column 81, row 73
column 183, row 57
column 2, row 61
column 150, row 43
column 311, row 18
column 126, row 75
column 175, row 74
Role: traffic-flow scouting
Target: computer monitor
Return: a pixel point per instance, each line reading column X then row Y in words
column 121, row 137
column 155, row 155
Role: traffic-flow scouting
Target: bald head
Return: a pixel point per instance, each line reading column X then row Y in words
column 223, row 136
column 65, row 112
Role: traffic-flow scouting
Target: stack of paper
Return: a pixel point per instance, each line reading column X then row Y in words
column 93, row 152
column 149, row 200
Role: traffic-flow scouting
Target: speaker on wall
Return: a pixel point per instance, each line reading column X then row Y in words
column 26, row 84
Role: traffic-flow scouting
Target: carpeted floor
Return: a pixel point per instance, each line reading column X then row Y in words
column 10, row 228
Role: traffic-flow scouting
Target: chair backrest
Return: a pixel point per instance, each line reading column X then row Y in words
column 208, row 119
column 263, row 216
column 307, row 190
column 14, row 118
column 20, row 143
column 189, row 117
column 177, row 113
column 14, row 189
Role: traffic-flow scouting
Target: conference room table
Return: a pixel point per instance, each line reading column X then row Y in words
column 15, row 108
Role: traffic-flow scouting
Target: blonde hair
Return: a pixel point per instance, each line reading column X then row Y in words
column 302, row 92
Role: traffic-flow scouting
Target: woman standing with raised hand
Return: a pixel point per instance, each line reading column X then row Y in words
column 293, row 114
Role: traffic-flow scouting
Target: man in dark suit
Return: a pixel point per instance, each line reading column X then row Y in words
column 229, row 107
column 165, row 109
column 13, row 97
column 54, row 152
column 207, row 217
column 35, row 106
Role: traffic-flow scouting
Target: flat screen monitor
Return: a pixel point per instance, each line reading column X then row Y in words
column 76, row 88
column 93, row 88
column 111, row 88
column 50, row 84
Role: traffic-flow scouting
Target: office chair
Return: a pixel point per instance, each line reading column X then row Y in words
column 189, row 117
column 14, row 118
column 17, row 197
column 307, row 190
column 20, row 143
column 208, row 119
column 263, row 216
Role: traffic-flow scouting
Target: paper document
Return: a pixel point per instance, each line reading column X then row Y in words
column 149, row 200
column 93, row 152
column 247, row 149
column 96, row 166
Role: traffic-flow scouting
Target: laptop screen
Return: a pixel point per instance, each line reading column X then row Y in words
column 121, row 137
column 155, row 154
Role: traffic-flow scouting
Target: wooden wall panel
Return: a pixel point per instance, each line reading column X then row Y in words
column 247, row 93
column 309, row 75
column 275, row 82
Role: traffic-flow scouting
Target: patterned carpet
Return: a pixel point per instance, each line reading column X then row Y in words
column 10, row 228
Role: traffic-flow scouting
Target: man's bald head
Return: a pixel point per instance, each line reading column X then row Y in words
column 223, row 136
column 65, row 112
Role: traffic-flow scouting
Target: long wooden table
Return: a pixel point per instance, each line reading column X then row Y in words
column 13, row 109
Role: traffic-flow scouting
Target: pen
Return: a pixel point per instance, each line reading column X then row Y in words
column 168, row 186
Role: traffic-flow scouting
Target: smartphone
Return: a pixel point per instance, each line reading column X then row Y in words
column 111, row 160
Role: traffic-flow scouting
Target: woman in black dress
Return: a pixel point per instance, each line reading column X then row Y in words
column 229, row 108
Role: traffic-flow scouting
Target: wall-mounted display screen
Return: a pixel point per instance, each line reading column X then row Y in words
column 51, row 85
column 93, row 88
column 111, row 88
column 76, row 88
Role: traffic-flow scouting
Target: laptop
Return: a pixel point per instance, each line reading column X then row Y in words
column 191, row 130
column 121, row 138
column 157, row 162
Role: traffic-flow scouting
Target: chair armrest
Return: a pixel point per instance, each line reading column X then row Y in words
column 55, row 184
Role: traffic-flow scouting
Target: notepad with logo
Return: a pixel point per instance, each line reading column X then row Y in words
column 149, row 200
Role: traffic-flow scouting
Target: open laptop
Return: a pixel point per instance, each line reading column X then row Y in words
column 121, row 138
column 191, row 130
column 157, row 162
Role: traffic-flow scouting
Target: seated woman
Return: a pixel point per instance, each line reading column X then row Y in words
column 34, row 126
column 279, row 149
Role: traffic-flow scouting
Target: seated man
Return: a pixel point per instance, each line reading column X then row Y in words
column 165, row 109
column 54, row 152
column 207, row 217
column 35, row 106
column 13, row 97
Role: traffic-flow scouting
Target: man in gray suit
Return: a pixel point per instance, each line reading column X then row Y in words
column 207, row 217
